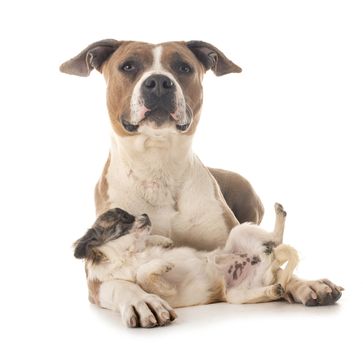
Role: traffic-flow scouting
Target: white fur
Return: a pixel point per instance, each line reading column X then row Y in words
column 161, row 176
column 157, row 65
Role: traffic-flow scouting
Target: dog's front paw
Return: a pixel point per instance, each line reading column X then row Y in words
column 147, row 312
column 313, row 293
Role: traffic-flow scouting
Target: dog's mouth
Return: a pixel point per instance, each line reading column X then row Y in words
column 158, row 118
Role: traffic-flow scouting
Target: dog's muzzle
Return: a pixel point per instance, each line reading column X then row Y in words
column 159, row 104
column 158, row 94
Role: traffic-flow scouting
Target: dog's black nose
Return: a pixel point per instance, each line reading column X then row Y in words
column 158, row 85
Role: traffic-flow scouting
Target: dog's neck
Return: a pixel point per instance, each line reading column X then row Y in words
column 153, row 153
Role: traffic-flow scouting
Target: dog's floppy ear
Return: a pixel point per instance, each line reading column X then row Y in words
column 93, row 56
column 212, row 58
column 83, row 247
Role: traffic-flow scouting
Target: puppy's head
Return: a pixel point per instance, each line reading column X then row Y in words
column 115, row 228
column 152, row 87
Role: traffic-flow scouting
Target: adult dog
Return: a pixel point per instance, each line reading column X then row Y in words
column 154, row 100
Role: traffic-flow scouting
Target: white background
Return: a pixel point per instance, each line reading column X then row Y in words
column 290, row 123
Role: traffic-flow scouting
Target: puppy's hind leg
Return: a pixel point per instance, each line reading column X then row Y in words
column 279, row 223
column 285, row 253
column 149, row 277
column 256, row 295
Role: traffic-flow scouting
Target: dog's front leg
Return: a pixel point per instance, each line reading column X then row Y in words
column 312, row 293
column 137, row 308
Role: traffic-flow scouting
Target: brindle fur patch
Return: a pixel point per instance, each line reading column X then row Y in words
column 217, row 293
column 238, row 269
column 255, row 260
column 270, row 245
column 94, row 291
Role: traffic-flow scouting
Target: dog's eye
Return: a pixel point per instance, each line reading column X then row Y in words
column 185, row 68
column 128, row 67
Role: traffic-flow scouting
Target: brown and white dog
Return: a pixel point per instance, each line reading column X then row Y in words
column 154, row 100
column 247, row 270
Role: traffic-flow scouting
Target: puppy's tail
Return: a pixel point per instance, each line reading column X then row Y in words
column 285, row 253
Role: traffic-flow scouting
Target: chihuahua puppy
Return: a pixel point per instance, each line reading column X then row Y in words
column 246, row 270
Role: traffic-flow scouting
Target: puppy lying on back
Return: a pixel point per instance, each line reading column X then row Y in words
column 246, row 270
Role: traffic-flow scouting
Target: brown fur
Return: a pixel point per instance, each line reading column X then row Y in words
column 94, row 291
column 239, row 195
column 218, row 293
column 101, row 190
column 119, row 86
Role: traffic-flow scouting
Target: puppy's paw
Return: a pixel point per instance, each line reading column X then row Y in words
column 166, row 267
column 156, row 240
column 313, row 293
column 276, row 291
column 159, row 267
column 279, row 209
column 167, row 243
column 279, row 290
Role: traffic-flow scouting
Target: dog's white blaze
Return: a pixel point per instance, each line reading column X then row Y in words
column 157, row 65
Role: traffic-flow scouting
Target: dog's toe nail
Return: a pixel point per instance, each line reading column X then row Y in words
column 165, row 316
column 311, row 302
column 133, row 322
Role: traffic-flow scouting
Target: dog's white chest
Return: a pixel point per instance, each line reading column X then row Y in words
column 186, row 211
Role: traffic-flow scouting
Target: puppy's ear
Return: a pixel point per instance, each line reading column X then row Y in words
column 93, row 56
column 212, row 58
column 83, row 247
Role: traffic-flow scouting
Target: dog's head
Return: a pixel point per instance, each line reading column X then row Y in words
column 113, row 232
column 152, row 86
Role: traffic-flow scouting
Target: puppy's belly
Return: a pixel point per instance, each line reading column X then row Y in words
column 237, row 268
column 245, row 271
column 192, row 276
